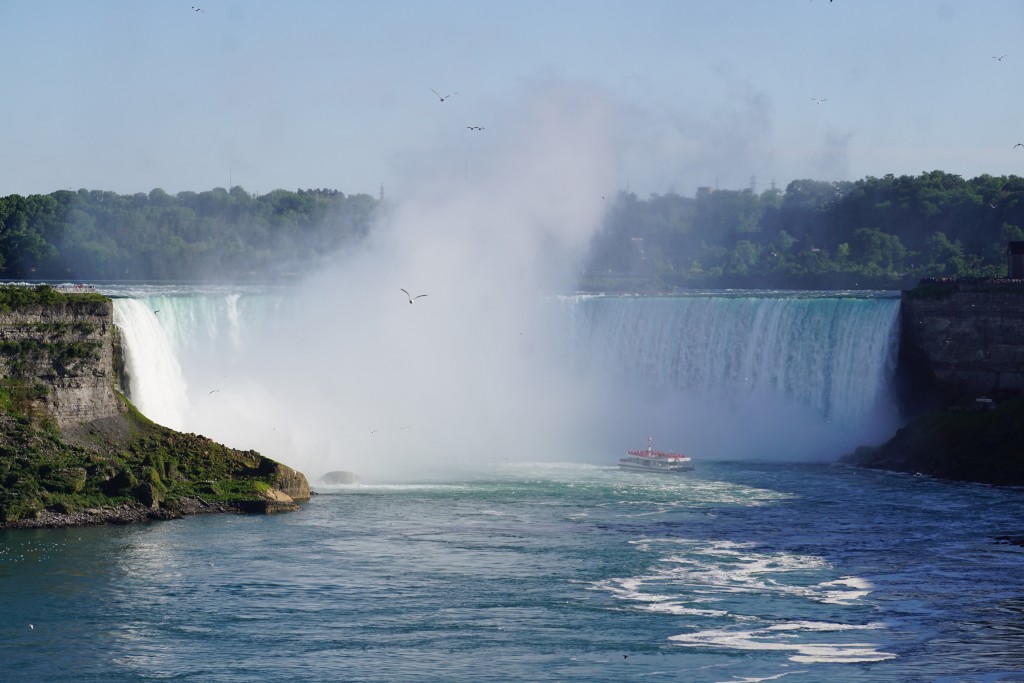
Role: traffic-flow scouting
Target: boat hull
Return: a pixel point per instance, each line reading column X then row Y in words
column 661, row 467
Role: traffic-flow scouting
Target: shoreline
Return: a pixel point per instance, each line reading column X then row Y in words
column 127, row 513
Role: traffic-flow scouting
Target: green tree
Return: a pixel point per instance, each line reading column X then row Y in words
column 946, row 257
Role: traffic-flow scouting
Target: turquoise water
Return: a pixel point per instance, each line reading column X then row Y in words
column 556, row 572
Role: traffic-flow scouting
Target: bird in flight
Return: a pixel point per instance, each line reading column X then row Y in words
column 475, row 127
column 197, row 9
column 819, row 100
column 998, row 58
column 1019, row 144
column 411, row 297
column 443, row 97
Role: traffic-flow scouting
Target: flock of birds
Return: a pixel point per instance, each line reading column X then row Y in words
column 443, row 98
column 816, row 100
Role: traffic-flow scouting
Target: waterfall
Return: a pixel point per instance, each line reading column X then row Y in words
column 833, row 355
column 746, row 376
column 156, row 384
column 793, row 376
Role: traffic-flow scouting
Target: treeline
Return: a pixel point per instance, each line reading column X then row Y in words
column 220, row 234
column 884, row 233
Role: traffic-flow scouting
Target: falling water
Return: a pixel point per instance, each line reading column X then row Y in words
column 156, row 384
column 728, row 375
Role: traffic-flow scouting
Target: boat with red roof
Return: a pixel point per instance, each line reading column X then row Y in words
column 650, row 460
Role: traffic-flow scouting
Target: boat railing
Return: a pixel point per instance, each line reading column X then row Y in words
column 646, row 453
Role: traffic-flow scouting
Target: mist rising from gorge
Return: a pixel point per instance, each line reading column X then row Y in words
column 342, row 372
column 349, row 375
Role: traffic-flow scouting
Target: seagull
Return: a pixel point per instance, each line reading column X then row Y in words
column 197, row 9
column 443, row 97
column 411, row 297
column 213, row 392
column 475, row 127
column 819, row 100
column 999, row 58
column 1019, row 144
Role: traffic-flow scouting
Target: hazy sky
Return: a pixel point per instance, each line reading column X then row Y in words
column 137, row 94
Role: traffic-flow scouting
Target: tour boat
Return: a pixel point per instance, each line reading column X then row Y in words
column 650, row 460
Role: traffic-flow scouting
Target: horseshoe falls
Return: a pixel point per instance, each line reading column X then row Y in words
column 492, row 538
column 736, row 375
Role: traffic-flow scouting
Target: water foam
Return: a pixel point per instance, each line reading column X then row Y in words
column 778, row 637
column 724, row 581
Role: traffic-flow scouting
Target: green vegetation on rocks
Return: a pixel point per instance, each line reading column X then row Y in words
column 125, row 463
column 21, row 298
column 77, row 452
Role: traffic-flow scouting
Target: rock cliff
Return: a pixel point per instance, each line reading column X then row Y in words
column 66, row 350
column 73, row 450
column 963, row 337
column 961, row 341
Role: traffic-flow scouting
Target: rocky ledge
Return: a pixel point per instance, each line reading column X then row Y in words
column 960, row 377
column 74, row 451
column 971, row 441
column 128, row 513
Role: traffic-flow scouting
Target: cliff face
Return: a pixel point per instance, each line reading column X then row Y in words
column 66, row 351
column 961, row 338
column 73, row 450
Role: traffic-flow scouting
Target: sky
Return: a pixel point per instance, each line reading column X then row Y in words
column 128, row 96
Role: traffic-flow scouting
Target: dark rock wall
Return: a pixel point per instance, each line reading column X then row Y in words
column 960, row 339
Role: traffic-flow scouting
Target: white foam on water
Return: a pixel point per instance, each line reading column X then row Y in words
column 779, row 638
column 759, row 679
column 387, row 488
column 630, row 590
column 845, row 591
column 708, row 579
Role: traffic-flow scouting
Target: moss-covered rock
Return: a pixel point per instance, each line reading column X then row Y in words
column 61, row 467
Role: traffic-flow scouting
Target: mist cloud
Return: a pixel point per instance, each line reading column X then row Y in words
column 351, row 376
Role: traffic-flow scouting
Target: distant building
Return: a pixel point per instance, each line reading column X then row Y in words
column 1015, row 260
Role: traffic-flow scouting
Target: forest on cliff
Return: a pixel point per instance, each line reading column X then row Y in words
column 874, row 233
